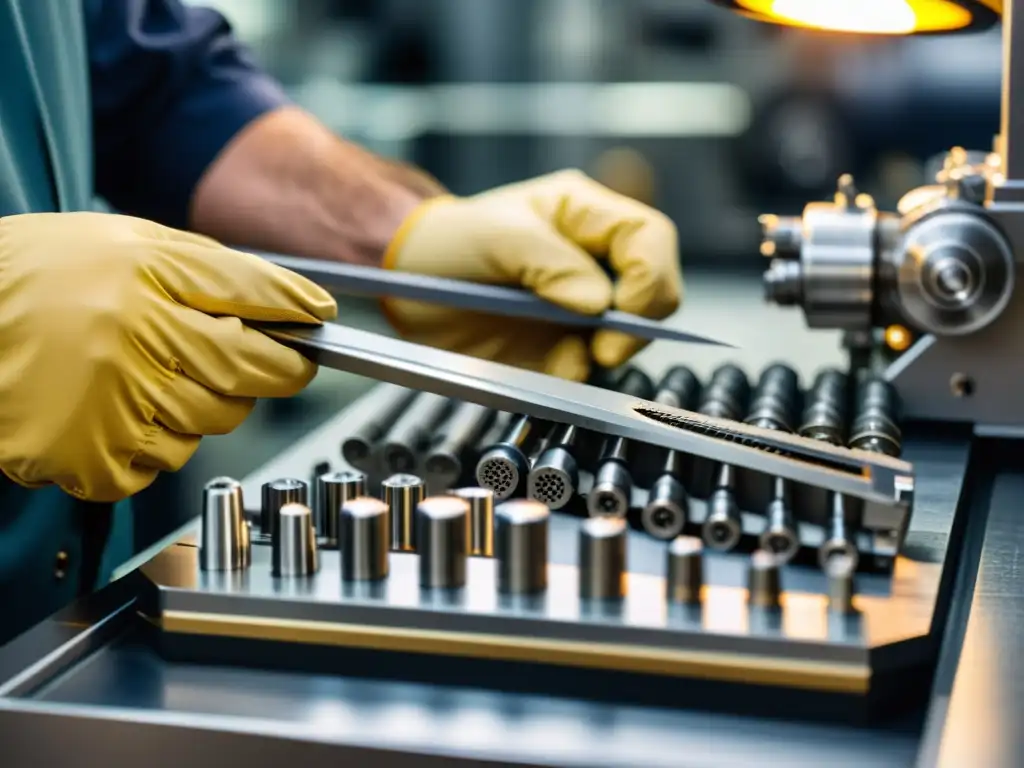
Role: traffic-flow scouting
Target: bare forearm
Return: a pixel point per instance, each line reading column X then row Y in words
column 287, row 184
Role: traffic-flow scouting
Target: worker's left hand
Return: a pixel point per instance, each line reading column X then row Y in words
column 545, row 235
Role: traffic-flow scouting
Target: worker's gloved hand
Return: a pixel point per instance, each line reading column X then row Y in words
column 121, row 344
column 546, row 235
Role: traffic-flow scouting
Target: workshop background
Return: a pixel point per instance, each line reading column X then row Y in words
column 710, row 117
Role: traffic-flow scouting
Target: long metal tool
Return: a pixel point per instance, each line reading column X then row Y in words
column 875, row 478
column 474, row 297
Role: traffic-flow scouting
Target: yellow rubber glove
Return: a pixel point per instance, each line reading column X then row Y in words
column 545, row 235
column 122, row 346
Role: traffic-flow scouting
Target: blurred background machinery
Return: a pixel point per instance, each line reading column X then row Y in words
column 710, row 116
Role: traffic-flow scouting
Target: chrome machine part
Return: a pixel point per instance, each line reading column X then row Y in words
column 402, row 494
column 276, row 494
column 555, row 477
column 944, row 266
column 833, row 277
column 363, row 527
column 294, row 546
column 602, row 558
column 953, row 271
column 842, row 588
column 613, row 484
column 684, row 570
column 521, row 546
column 224, row 541
column 504, row 467
column 764, row 581
column 481, row 519
column 442, row 541
column 333, row 489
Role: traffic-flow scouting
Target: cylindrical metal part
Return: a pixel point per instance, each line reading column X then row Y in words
column 635, row 383
column 842, row 587
column 776, row 401
column 224, row 537
column 613, row 485
column 723, row 525
column 727, row 393
column 826, row 406
column 363, row 525
column 521, row 546
column 764, row 582
column 874, row 425
column 464, row 427
column 667, row 509
column 615, row 449
column 838, row 536
column 612, row 491
column 441, row 541
column 602, row 558
column 780, row 536
column 410, row 434
column 332, row 491
column 684, row 571
column 481, row 519
column 275, row 495
column 504, row 467
column 294, row 550
column 678, row 388
column 554, row 478
column 402, row 494
column 372, row 424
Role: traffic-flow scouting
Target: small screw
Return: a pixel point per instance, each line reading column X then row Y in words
column 961, row 385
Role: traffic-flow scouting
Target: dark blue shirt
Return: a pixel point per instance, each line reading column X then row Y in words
column 171, row 86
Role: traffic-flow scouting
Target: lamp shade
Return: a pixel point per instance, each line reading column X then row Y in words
column 874, row 17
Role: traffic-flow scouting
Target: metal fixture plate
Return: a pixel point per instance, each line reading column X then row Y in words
column 723, row 641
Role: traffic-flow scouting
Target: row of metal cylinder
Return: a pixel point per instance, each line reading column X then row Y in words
column 515, row 464
column 445, row 531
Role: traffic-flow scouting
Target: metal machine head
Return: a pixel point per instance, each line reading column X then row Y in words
column 942, row 265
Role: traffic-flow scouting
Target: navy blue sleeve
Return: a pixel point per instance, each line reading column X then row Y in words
column 171, row 86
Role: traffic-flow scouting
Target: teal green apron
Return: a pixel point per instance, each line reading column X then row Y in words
column 52, row 548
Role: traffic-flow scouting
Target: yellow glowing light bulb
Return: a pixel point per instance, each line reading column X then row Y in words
column 891, row 17
column 877, row 17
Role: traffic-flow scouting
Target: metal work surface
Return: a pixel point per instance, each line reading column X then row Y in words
column 976, row 719
column 425, row 720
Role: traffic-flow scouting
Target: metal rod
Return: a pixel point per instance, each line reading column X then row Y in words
column 474, row 297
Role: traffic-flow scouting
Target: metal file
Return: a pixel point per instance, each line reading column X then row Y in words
column 474, row 297
column 872, row 477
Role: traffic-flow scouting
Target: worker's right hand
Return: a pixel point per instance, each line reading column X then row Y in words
column 122, row 343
